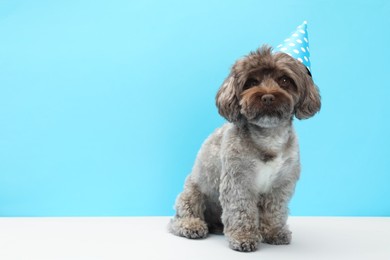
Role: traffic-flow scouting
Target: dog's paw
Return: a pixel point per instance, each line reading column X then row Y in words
column 281, row 238
column 244, row 243
column 189, row 227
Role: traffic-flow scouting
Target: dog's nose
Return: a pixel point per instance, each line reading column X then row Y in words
column 268, row 99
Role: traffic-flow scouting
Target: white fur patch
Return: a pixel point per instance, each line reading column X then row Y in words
column 266, row 174
column 267, row 121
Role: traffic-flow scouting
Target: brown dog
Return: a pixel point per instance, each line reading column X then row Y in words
column 246, row 171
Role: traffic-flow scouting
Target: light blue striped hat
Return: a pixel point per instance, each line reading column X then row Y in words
column 297, row 45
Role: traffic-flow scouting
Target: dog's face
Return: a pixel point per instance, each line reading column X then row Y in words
column 267, row 89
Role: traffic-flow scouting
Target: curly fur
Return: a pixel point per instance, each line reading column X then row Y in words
column 245, row 172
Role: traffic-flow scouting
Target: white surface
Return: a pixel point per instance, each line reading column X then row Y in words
column 146, row 238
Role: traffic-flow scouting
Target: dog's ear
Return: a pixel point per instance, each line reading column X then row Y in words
column 227, row 99
column 310, row 99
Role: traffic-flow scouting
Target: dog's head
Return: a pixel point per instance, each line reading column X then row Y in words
column 266, row 89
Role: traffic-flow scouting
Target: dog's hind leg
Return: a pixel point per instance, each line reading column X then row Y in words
column 189, row 219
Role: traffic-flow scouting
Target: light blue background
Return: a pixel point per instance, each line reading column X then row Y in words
column 104, row 104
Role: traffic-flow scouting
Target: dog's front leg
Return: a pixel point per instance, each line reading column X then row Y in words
column 240, row 214
column 273, row 210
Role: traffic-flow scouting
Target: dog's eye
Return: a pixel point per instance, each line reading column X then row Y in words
column 285, row 82
column 250, row 83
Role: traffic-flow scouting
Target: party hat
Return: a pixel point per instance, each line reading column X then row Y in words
column 297, row 45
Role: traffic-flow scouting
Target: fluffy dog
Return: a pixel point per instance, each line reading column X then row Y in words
column 245, row 172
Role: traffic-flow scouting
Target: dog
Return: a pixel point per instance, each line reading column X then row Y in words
column 246, row 171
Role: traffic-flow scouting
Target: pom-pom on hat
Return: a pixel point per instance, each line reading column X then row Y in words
column 297, row 45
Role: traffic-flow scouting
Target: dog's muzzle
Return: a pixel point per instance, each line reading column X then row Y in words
column 259, row 104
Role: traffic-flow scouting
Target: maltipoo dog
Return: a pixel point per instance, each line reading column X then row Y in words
column 245, row 172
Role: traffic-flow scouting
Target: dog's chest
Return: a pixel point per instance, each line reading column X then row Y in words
column 266, row 173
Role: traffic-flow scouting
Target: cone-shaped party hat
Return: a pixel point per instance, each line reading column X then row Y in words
column 297, row 45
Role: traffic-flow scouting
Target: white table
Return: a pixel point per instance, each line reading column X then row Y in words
column 147, row 238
